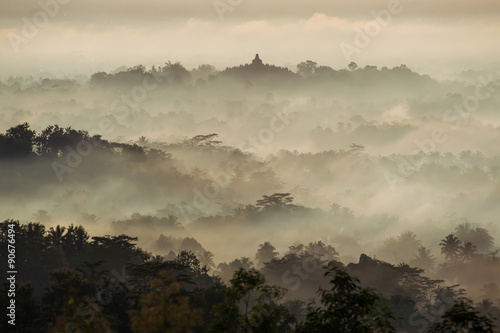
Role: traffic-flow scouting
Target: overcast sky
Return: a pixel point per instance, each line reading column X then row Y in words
column 87, row 36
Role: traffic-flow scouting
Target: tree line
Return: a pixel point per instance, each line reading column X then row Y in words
column 71, row 281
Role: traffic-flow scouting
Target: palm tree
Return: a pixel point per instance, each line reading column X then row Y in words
column 223, row 270
column 56, row 235
column 265, row 253
column 423, row 259
column 244, row 262
column 467, row 251
column 157, row 258
column 485, row 306
column 451, row 247
column 206, row 259
column 142, row 141
column 476, row 235
column 34, row 234
column 322, row 251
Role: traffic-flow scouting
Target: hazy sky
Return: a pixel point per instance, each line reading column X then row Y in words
column 86, row 36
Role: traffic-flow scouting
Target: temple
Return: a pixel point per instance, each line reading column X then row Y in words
column 258, row 70
column 257, row 61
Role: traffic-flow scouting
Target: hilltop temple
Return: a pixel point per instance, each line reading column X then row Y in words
column 257, row 61
column 258, row 69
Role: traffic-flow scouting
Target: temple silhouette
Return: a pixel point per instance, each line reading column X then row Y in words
column 257, row 69
column 256, row 61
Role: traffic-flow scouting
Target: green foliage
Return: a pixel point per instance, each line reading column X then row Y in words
column 107, row 283
column 347, row 308
column 189, row 260
column 18, row 141
column 463, row 317
column 28, row 310
column 249, row 306
column 163, row 310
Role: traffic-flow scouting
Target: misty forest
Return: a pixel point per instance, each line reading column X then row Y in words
column 255, row 198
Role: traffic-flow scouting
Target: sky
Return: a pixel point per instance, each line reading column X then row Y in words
column 66, row 37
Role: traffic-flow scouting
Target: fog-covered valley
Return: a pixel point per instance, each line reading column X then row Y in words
column 351, row 165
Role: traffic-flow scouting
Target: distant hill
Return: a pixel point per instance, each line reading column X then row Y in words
column 258, row 70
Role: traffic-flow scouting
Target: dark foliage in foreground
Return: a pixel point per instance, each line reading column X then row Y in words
column 68, row 280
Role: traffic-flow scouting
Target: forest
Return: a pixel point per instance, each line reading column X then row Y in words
column 70, row 281
column 251, row 199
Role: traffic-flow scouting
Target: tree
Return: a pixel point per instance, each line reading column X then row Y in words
column 56, row 235
column 71, row 320
column 276, row 201
column 175, row 72
column 28, row 310
column 451, row 247
column 307, row 68
column 142, row 141
column 322, row 251
column 401, row 248
column 476, row 235
column 265, row 253
column 162, row 309
column 467, row 251
column 207, row 140
column 205, row 70
column 463, row 317
column 352, row 66
column 249, row 305
column 189, row 260
column 18, row 141
column 323, row 71
column 66, row 291
column 206, row 259
column 347, row 308
column 423, row 259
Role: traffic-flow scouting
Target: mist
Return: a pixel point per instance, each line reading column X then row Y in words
column 205, row 141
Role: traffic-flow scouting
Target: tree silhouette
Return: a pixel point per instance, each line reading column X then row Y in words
column 18, row 141
column 56, row 235
column 424, row 259
column 206, row 259
column 207, row 140
column 463, row 317
column 276, row 201
column 347, row 308
column 322, row 251
column 163, row 309
column 175, row 72
column 189, row 260
column 480, row 237
column 352, row 66
column 467, row 251
column 249, row 306
column 307, row 68
column 451, row 247
column 265, row 253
